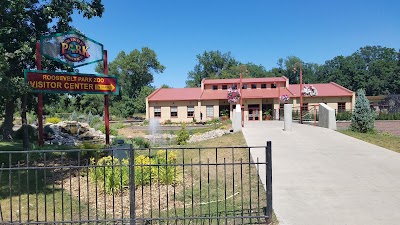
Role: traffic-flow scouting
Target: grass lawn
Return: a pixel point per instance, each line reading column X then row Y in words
column 218, row 189
column 384, row 140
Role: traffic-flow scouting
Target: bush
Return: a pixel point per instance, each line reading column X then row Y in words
column 214, row 121
column 362, row 119
column 113, row 132
column 53, row 120
column 167, row 122
column 32, row 133
column 388, row 116
column 117, row 125
column 145, row 122
column 341, row 116
column 141, row 142
column 113, row 174
column 183, row 135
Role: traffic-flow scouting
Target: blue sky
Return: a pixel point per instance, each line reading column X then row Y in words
column 257, row 31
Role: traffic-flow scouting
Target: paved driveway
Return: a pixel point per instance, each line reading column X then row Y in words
column 323, row 177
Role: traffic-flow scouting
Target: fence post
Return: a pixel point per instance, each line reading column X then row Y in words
column 132, row 185
column 268, row 172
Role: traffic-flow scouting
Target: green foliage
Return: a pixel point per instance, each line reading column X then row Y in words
column 117, row 126
column 22, row 24
column 32, row 133
column 53, row 120
column 167, row 122
column 113, row 174
column 388, row 116
column 145, row 122
column 183, row 135
column 89, row 149
column 214, row 121
column 96, row 122
column 362, row 119
column 113, row 131
column 141, row 142
column 343, row 116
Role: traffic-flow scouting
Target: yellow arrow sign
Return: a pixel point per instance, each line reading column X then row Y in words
column 104, row 87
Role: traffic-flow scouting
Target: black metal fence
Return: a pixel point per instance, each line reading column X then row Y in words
column 122, row 185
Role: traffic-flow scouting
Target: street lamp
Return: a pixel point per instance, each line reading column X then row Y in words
column 301, row 88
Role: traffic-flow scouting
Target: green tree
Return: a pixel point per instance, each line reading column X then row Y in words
column 22, row 24
column 362, row 119
column 134, row 70
column 165, row 86
column 373, row 68
column 212, row 64
column 135, row 73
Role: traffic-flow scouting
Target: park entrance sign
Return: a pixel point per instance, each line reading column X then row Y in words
column 71, row 48
column 74, row 83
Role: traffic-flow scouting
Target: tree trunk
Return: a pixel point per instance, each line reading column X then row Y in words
column 7, row 126
column 25, row 136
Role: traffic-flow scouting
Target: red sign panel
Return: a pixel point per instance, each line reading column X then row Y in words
column 44, row 81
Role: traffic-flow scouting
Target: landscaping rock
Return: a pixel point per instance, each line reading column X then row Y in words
column 208, row 135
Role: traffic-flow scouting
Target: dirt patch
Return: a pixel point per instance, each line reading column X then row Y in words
column 390, row 126
column 130, row 132
column 148, row 199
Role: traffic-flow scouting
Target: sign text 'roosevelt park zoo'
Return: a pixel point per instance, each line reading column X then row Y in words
column 45, row 81
column 71, row 48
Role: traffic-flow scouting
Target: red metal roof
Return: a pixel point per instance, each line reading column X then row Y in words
column 214, row 94
column 245, row 80
column 182, row 94
column 324, row 90
column 173, row 94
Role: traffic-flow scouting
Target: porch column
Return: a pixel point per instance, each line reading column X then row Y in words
column 260, row 111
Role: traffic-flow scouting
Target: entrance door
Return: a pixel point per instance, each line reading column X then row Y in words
column 254, row 113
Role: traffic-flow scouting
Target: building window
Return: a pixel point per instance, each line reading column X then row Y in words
column 263, row 86
column 224, row 87
column 157, row 111
column 253, row 86
column 234, row 86
column 273, row 85
column 244, row 86
column 305, row 107
column 215, row 87
column 174, row 111
column 190, row 111
column 210, row 111
column 341, row 106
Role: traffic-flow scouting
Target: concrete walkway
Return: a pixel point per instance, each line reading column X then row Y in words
column 323, row 177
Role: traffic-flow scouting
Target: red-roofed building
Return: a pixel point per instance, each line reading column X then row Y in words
column 259, row 95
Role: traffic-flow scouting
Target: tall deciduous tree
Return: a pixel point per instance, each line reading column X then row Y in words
column 212, row 64
column 22, row 22
column 135, row 73
column 134, row 70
